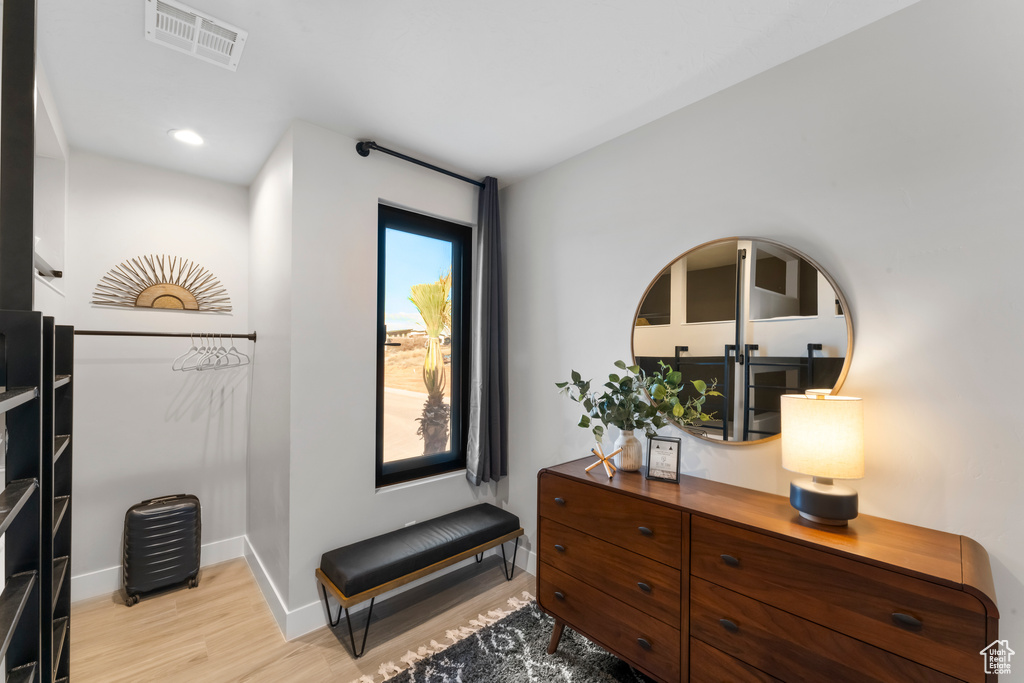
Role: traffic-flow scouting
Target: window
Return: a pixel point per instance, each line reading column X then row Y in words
column 423, row 353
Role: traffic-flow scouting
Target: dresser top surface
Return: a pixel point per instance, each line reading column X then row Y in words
column 926, row 553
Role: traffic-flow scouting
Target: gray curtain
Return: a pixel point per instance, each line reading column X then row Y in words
column 487, row 452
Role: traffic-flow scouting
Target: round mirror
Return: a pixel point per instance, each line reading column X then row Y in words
column 759, row 318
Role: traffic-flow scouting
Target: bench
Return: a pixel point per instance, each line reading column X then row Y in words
column 361, row 571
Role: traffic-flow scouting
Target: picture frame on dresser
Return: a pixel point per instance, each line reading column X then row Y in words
column 663, row 458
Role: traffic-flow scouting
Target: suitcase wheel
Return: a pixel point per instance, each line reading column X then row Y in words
column 131, row 600
column 193, row 582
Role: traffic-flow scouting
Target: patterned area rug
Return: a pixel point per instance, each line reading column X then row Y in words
column 512, row 649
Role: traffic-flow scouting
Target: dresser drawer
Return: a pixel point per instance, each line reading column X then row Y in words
column 708, row 665
column 650, row 586
column 869, row 603
column 646, row 643
column 791, row 648
column 646, row 528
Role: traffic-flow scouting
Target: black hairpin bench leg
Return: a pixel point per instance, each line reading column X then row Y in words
column 366, row 630
column 508, row 572
column 331, row 621
column 334, row 621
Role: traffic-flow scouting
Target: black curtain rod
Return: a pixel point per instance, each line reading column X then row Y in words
column 208, row 335
column 365, row 146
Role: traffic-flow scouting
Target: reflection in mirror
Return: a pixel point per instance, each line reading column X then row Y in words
column 760, row 318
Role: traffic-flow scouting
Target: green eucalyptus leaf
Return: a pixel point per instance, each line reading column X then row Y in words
column 713, row 393
column 659, row 392
column 599, row 432
column 699, row 385
column 635, row 369
column 621, row 365
column 576, row 377
column 561, row 385
column 678, row 410
column 674, row 378
column 584, row 422
column 614, row 378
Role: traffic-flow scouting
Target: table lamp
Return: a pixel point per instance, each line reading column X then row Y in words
column 823, row 436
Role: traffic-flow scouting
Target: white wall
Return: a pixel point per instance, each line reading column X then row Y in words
column 894, row 157
column 270, row 273
column 333, row 252
column 142, row 430
column 50, row 200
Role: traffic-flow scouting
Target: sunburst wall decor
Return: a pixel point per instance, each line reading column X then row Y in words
column 167, row 282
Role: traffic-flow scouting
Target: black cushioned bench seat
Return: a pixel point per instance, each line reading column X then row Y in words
column 358, row 567
column 363, row 570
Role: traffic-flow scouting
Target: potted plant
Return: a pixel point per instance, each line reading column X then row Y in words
column 635, row 400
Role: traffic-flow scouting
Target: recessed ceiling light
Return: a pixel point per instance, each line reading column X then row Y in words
column 189, row 137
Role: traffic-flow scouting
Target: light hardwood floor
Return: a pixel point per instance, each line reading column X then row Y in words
column 224, row 631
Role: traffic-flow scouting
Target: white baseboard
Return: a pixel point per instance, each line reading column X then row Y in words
column 107, row 581
column 302, row 620
column 267, row 587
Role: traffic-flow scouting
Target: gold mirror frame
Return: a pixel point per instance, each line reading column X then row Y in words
column 840, row 297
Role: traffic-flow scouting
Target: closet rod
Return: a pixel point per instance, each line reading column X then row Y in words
column 119, row 333
column 363, row 148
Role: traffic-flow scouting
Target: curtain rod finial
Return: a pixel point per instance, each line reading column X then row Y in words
column 363, row 147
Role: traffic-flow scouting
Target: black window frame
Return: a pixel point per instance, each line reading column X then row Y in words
column 460, row 237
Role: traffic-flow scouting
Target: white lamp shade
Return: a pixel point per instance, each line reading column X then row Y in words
column 823, row 436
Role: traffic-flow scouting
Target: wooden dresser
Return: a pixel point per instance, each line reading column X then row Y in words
column 707, row 582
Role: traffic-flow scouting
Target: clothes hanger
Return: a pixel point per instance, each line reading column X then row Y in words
column 197, row 352
column 221, row 360
column 184, row 355
column 210, row 358
column 239, row 355
column 198, row 357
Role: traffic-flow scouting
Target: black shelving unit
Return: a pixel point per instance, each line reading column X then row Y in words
column 35, row 505
column 35, row 394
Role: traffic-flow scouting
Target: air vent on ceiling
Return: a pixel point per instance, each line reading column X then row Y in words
column 187, row 30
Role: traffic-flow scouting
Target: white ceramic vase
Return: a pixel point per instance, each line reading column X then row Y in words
column 631, row 457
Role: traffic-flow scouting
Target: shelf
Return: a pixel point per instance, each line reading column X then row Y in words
column 12, row 398
column 23, row 674
column 59, row 444
column 60, row 506
column 12, row 604
column 60, row 630
column 60, row 568
column 61, row 380
column 13, row 498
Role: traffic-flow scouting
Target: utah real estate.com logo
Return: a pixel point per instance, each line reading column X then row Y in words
column 997, row 657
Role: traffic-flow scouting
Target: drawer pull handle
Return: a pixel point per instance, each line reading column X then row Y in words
column 645, row 531
column 644, row 643
column 560, row 548
column 729, row 626
column 906, row 620
column 644, row 587
column 730, row 560
column 560, row 595
column 560, row 501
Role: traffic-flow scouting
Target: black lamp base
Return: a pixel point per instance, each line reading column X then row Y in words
column 821, row 501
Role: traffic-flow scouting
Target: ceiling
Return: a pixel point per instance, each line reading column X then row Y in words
column 483, row 87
